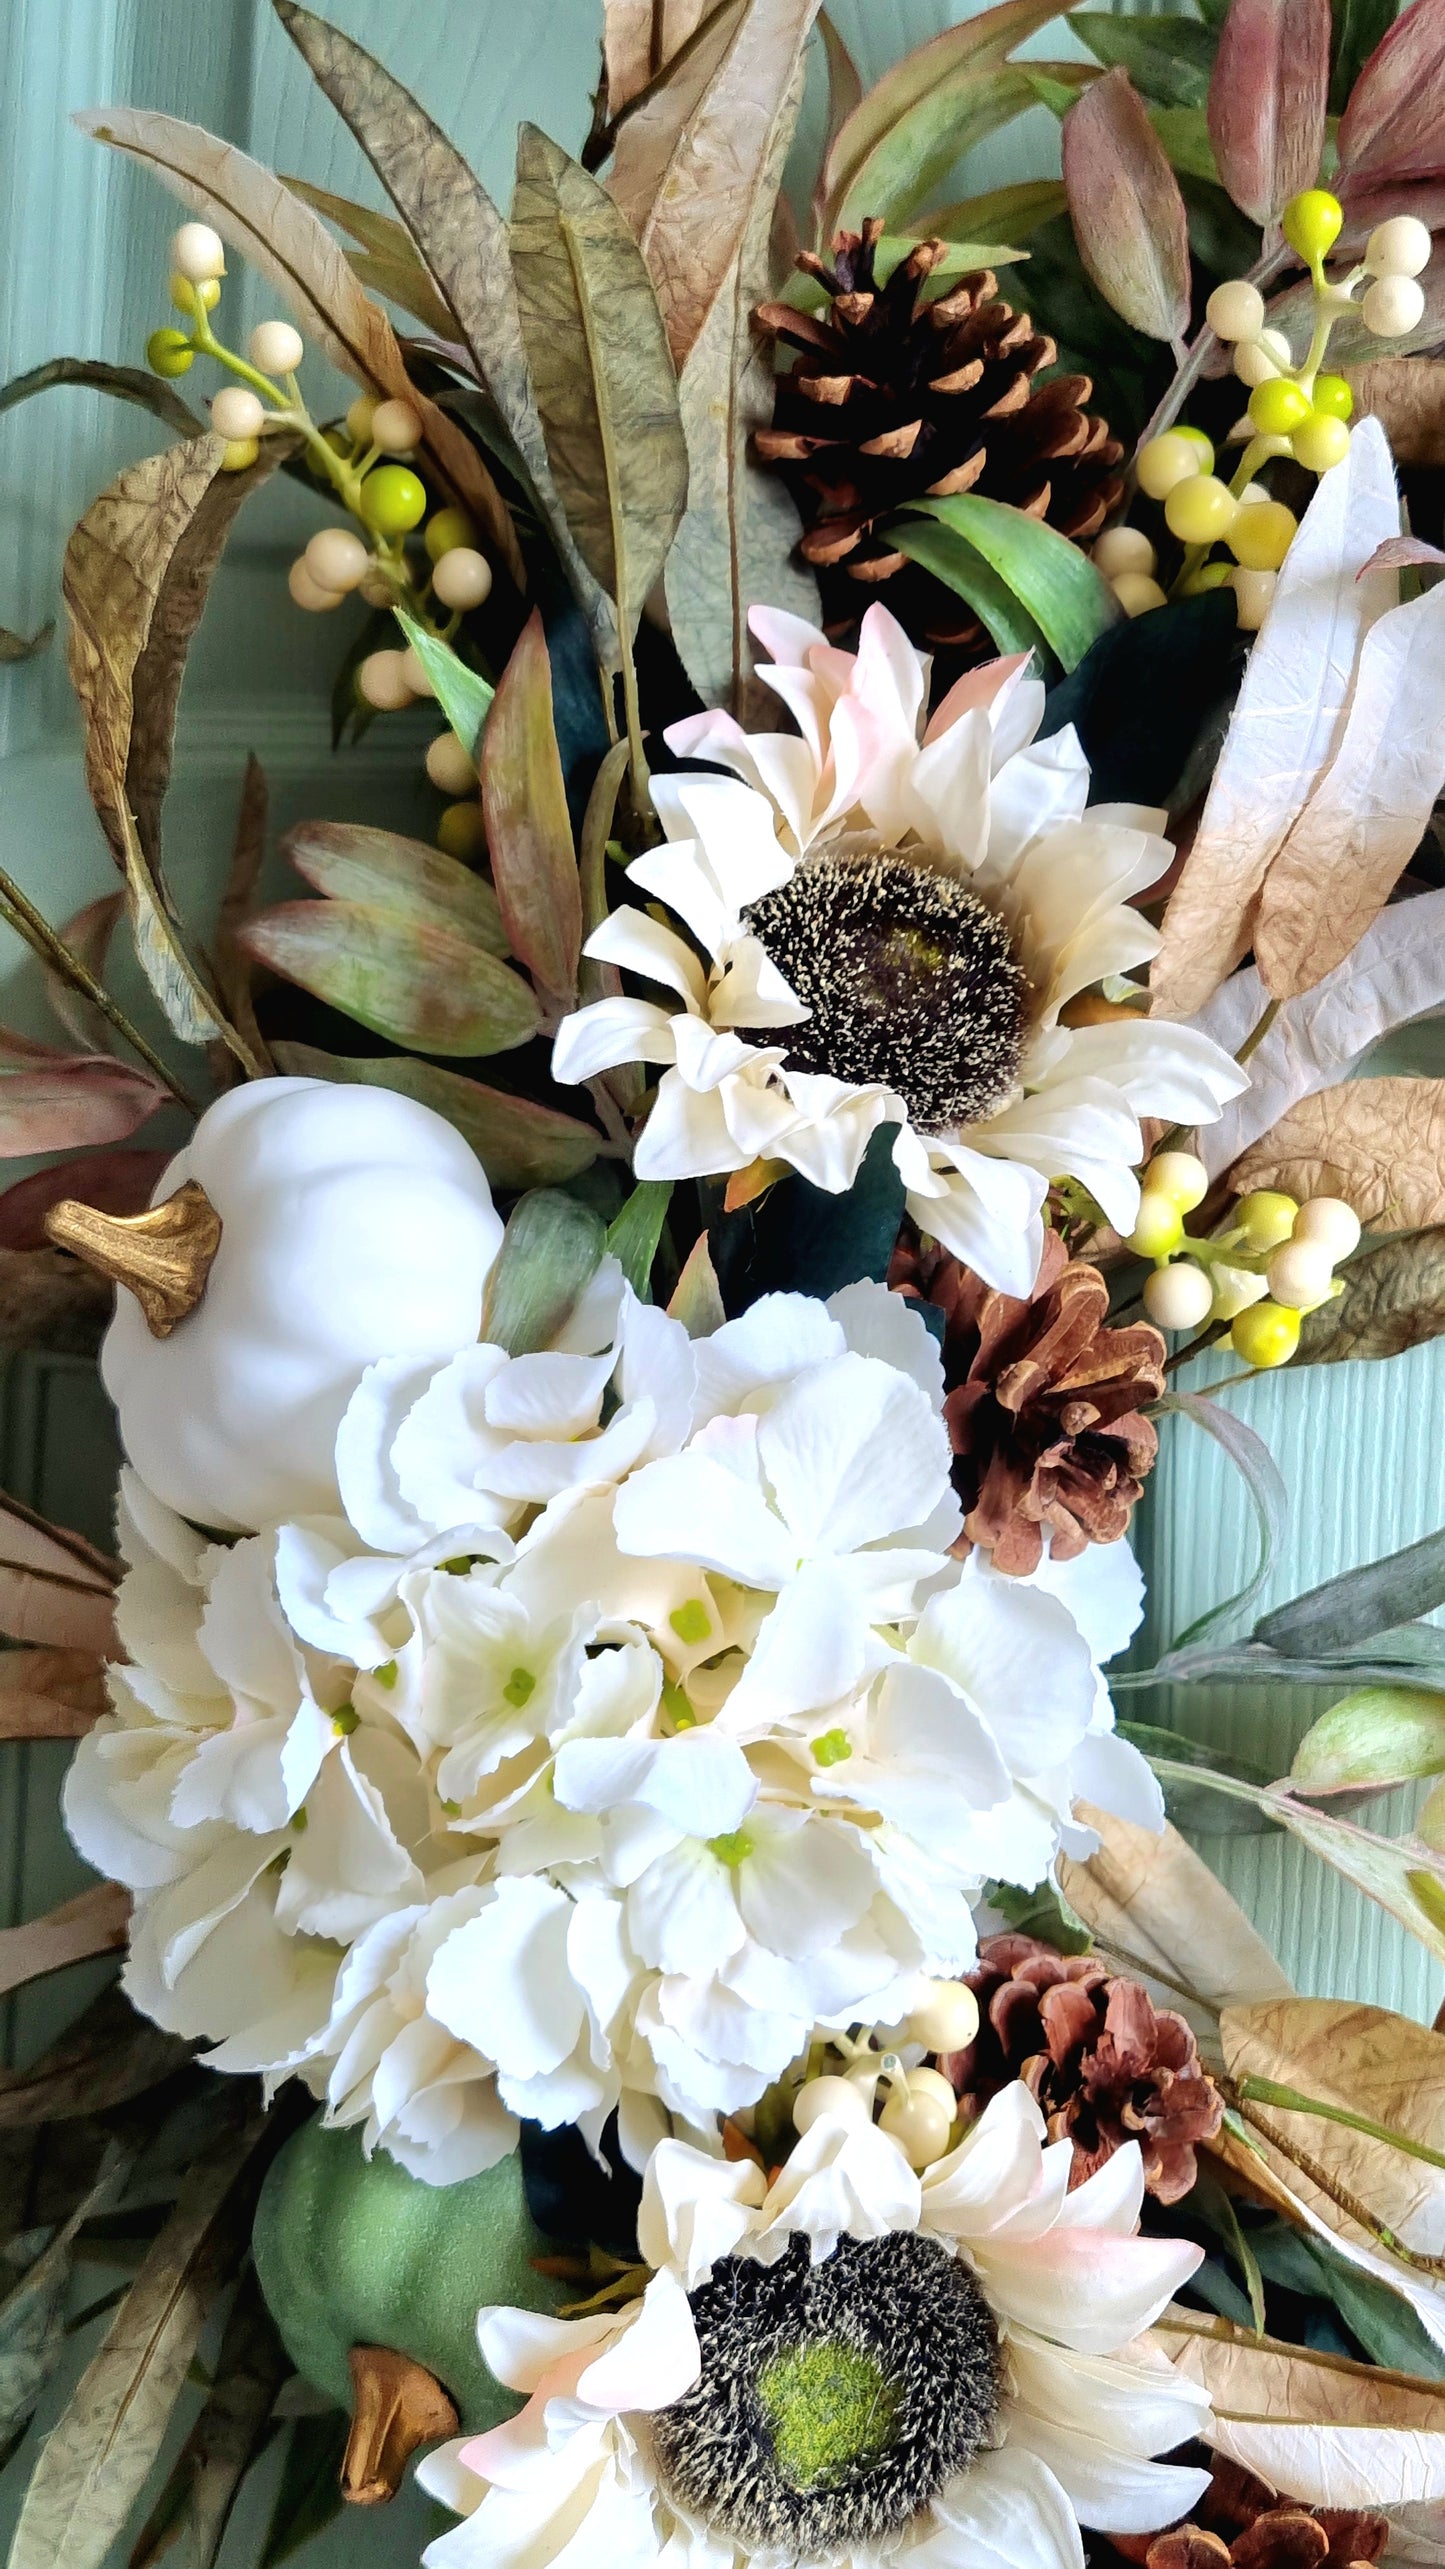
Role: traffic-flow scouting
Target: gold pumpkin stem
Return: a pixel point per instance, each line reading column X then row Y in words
column 163, row 1256
column 396, row 2406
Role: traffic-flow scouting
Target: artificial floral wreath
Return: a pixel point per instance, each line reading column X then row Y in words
column 660, row 1975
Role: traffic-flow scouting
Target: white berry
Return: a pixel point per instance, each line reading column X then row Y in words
column 1399, row 248
column 1253, row 363
column 237, row 414
column 1393, row 306
column 449, row 766
column 932, row 2084
column 1300, row 1274
column 1330, row 1221
column 1253, row 597
column 275, row 348
column 837, row 2097
column 921, row 2128
column 1124, row 548
column 305, row 591
column 1137, row 593
column 337, row 559
column 395, row 427
column 1235, row 310
column 944, row 2017
column 462, row 578
column 198, row 253
column 416, row 675
column 1178, row 1296
column 382, row 681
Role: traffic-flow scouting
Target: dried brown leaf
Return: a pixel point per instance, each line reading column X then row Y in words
column 656, row 132
column 95, row 1922
column 1407, row 396
column 1127, row 212
column 1331, row 2432
column 1151, row 1900
column 292, row 249
column 1369, row 2062
column 1268, row 94
column 115, row 1181
column 55, row 1588
column 107, row 2056
column 529, row 834
column 50, row 1694
column 1380, row 1143
column 639, row 40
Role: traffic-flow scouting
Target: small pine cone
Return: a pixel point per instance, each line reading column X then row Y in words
column 1242, row 2524
column 1105, row 2063
column 893, row 397
column 1043, row 1403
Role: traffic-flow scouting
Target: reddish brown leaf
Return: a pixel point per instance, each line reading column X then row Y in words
column 55, row 1588
column 1394, row 124
column 93, row 1923
column 1267, row 100
column 1128, row 214
column 50, row 1694
column 529, row 834
column 115, row 1181
column 68, row 1105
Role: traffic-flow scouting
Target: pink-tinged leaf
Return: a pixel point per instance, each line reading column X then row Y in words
column 1128, row 214
column 1403, row 553
column 1267, row 100
column 55, row 1588
column 93, row 1923
column 71, row 1104
column 88, row 936
column 529, row 834
column 353, row 863
column 428, row 987
column 114, row 1181
column 1394, row 124
column 50, row 1694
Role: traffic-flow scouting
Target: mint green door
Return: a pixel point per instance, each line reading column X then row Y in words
column 82, row 271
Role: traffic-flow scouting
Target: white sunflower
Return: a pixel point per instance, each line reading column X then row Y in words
column 881, row 919
column 852, row 2364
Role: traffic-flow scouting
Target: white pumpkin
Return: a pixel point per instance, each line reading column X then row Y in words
column 355, row 1224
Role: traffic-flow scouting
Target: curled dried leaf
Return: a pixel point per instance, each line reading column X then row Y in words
column 1332, row 2432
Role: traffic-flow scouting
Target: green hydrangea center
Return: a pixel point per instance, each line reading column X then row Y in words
column 830, row 2407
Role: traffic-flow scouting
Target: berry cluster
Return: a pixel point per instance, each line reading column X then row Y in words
column 370, row 461
column 919, row 2106
column 1259, row 1272
column 1295, row 410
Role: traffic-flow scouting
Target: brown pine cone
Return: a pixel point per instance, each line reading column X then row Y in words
column 893, row 397
column 1243, row 2525
column 1044, row 1404
column 1105, row 2063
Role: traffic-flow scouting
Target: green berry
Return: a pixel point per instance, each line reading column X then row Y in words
column 1332, row 396
column 393, row 500
column 1265, row 1335
column 1311, row 223
column 446, row 530
column 1278, row 407
column 169, row 353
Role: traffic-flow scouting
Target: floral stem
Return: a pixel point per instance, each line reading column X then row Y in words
column 1257, row 1033
column 1190, row 369
column 1339, row 2195
column 1268, row 2091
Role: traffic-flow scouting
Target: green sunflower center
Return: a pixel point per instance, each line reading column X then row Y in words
column 829, row 2407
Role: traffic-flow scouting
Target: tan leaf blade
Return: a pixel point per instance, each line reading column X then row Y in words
column 1285, row 724
column 50, row 1693
column 706, row 202
column 1331, row 2432
column 431, row 988
column 519, row 1142
column 639, row 40
column 1371, row 2063
column 290, row 246
column 1128, row 215
column 1151, row 1900
column 55, row 1588
column 462, row 238
column 97, row 2456
column 233, row 970
column 604, row 380
column 529, row 834
column 1366, row 817
column 736, row 546
column 656, row 130
column 95, row 1922
column 1380, row 1143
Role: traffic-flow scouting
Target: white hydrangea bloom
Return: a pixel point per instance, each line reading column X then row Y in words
column 633, row 1723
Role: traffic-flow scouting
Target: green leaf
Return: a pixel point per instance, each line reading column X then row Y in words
column 1192, row 1807
column 1055, row 583
column 1382, row 2320
column 519, row 1142
column 464, row 697
column 550, row 1253
column 915, row 159
column 1379, row 1736
column 604, row 381
column 1184, row 134
column 1389, row 1661
column 529, row 830
column 1207, row 2197
column 1262, row 1478
column 697, row 1298
column 98, row 2455
column 309, row 2495
column 1358, row 28
column 353, row 863
column 127, row 383
column 1361, row 1604
column 632, row 1239
column 429, row 988
column 1394, row 1298
column 1168, row 59
column 907, row 116
column 966, row 254
column 462, row 239
column 800, row 1239
column 961, row 567
column 1044, row 1913
column 1004, row 214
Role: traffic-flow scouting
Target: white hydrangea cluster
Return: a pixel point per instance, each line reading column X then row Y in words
column 629, row 1720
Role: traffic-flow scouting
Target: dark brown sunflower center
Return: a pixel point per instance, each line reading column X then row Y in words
column 911, row 979
column 834, row 2400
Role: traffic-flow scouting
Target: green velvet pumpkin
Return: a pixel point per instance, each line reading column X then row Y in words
column 352, row 2251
